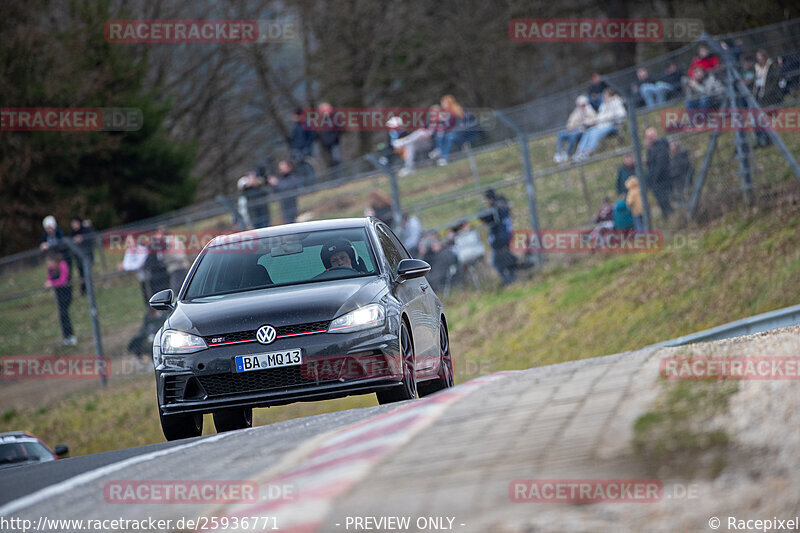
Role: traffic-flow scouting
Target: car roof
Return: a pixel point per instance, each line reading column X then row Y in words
column 297, row 227
column 17, row 434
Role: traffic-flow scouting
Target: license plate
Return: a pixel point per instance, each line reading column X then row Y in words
column 262, row 361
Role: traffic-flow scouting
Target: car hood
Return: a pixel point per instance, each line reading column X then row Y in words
column 278, row 306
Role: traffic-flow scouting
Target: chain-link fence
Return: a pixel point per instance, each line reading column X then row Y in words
column 568, row 195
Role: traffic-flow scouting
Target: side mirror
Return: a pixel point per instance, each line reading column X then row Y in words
column 61, row 451
column 162, row 300
column 412, row 268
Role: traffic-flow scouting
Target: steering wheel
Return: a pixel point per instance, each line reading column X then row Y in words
column 333, row 270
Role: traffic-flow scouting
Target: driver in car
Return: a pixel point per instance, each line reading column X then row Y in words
column 338, row 253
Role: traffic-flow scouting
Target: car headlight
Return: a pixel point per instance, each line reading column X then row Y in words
column 177, row 342
column 369, row 316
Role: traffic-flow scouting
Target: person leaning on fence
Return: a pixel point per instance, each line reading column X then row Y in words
column 58, row 280
column 658, row 176
column 82, row 234
column 767, row 90
column 609, row 119
column 500, row 228
column 580, row 119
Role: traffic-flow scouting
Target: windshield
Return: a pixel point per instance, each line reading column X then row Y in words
column 20, row 451
column 287, row 259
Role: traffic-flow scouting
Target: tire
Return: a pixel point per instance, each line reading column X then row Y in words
column 176, row 427
column 445, row 379
column 408, row 390
column 233, row 419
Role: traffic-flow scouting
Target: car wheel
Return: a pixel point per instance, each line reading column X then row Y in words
column 177, row 427
column 409, row 389
column 445, row 379
column 232, row 419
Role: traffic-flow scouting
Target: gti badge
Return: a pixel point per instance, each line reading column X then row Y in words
column 265, row 334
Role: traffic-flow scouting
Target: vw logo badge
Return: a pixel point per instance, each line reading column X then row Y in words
column 265, row 334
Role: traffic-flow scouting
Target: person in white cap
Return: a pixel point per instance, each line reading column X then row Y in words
column 52, row 239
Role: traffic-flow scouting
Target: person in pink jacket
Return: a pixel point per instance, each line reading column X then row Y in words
column 58, row 280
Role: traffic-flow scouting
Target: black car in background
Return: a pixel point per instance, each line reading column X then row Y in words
column 299, row 312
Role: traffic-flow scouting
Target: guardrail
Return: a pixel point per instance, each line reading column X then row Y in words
column 780, row 318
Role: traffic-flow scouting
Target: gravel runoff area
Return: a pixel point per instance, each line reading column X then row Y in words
column 761, row 476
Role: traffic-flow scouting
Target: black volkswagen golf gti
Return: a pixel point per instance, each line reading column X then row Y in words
column 300, row 312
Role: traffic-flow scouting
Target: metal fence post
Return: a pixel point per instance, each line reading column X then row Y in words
column 530, row 189
column 86, row 264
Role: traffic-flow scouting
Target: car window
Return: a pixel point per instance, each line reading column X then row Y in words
column 23, row 450
column 390, row 249
column 279, row 260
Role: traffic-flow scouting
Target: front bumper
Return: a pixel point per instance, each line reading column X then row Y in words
column 334, row 365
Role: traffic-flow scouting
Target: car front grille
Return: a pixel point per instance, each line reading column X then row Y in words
column 281, row 331
column 259, row 380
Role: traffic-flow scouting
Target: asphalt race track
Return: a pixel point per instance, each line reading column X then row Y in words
column 448, row 462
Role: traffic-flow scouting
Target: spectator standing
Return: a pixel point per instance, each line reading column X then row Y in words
column 747, row 71
column 658, row 176
column 174, row 257
column 500, row 227
column 380, row 207
column 52, row 239
column 442, row 260
column 625, row 171
column 580, row 119
column 411, row 232
column 634, row 202
column 58, row 280
column 790, row 72
column 82, row 234
column 612, row 113
column 287, row 183
column 681, row 171
column 329, row 138
column 595, row 91
column 256, row 207
column 301, row 139
column 767, row 90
